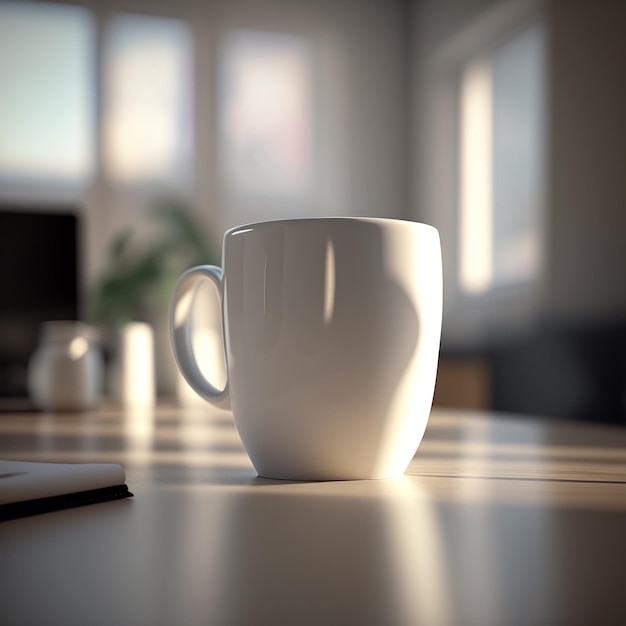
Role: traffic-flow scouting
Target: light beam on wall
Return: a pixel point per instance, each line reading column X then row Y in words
column 475, row 261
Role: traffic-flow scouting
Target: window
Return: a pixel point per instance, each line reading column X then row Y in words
column 502, row 164
column 46, row 94
column 148, row 100
column 266, row 114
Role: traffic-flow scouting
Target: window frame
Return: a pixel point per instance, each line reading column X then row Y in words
column 474, row 319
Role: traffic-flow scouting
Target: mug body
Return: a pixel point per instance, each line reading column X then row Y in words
column 332, row 329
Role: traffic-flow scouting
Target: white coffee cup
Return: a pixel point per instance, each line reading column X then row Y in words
column 331, row 332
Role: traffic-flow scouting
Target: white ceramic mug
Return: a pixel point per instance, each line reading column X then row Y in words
column 331, row 332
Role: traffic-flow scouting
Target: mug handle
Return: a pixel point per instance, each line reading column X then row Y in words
column 180, row 331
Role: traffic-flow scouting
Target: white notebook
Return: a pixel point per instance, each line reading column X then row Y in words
column 27, row 487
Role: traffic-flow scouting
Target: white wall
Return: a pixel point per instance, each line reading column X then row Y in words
column 588, row 159
column 361, row 101
column 585, row 229
column 444, row 34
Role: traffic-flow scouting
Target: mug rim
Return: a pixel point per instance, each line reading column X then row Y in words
column 346, row 218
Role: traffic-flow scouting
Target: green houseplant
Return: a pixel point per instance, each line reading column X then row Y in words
column 136, row 275
column 136, row 286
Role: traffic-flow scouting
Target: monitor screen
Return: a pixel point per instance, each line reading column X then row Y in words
column 39, row 281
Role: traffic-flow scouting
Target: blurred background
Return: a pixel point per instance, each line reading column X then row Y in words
column 134, row 132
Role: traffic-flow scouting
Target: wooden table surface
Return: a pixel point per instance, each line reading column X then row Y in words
column 500, row 520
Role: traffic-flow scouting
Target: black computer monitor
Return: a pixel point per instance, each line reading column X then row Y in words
column 39, row 281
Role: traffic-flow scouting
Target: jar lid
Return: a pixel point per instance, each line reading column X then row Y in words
column 66, row 330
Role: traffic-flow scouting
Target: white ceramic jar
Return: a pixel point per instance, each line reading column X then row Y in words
column 65, row 371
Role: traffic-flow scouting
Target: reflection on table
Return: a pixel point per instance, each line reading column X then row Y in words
column 499, row 520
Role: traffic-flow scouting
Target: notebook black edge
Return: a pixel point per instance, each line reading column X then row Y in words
column 27, row 508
